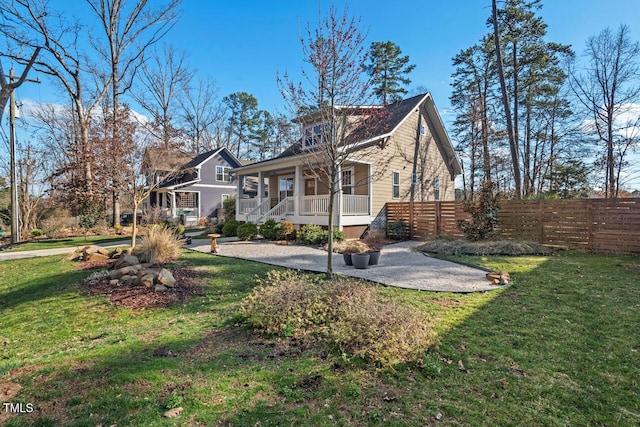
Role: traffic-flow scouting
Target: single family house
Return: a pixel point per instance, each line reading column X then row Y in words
column 406, row 155
column 190, row 187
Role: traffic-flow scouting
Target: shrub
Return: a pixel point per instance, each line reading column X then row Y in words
column 312, row 234
column 344, row 313
column 247, row 231
column 58, row 223
column 229, row 206
column 159, row 244
column 269, row 230
column 285, row 304
column 286, row 231
column 484, row 214
column 397, row 230
column 230, row 228
column 37, row 232
column 218, row 228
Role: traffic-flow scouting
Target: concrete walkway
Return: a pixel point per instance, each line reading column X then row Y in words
column 400, row 265
column 6, row 255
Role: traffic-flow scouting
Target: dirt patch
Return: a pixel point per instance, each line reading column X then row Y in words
column 8, row 390
column 188, row 284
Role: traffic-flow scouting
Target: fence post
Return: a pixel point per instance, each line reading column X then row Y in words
column 411, row 220
column 438, row 218
column 590, row 225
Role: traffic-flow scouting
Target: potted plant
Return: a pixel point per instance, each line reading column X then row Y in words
column 353, row 247
column 361, row 260
column 374, row 241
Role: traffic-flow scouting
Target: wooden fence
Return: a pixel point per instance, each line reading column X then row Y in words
column 609, row 225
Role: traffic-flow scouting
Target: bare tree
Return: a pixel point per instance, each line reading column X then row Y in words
column 35, row 24
column 327, row 102
column 164, row 77
column 129, row 28
column 204, row 116
column 605, row 87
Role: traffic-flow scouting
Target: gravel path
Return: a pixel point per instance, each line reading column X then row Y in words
column 400, row 265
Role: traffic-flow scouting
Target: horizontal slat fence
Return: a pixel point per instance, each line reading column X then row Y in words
column 608, row 225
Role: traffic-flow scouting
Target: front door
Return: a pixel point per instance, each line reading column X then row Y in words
column 310, row 187
column 285, row 187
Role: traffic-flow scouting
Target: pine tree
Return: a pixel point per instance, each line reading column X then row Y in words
column 389, row 70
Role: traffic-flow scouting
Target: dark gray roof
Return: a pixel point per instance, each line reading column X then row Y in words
column 390, row 117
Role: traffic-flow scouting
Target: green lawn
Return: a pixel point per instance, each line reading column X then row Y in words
column 557, row 347
column 70, row 242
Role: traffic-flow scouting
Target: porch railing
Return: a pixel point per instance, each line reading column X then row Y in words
column 319, row 205
column 247, row 205
column 259, row 211
column 279, row 211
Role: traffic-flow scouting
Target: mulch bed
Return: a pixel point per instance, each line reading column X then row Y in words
column 188, row 284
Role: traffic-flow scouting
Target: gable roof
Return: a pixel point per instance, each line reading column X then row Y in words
column 394, row 115
column 197, row 162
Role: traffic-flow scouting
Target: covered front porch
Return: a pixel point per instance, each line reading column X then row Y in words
column 176, row 206
column 296, row 194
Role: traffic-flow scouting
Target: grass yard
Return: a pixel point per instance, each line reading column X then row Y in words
column 557, row 347
column 69, row 242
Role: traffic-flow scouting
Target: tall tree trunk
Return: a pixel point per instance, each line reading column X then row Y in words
column 513, row 144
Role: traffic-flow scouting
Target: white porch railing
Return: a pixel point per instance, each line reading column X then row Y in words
column 314, row 205
column 355, row 205
column 279, row 211
column 319, row 205
column 247, row 205
column 259, row 211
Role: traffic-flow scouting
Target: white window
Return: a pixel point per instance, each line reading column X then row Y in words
column 187, row 200
column 315, row 134
column 396, row 185
column 347, row 181
column 436, row 188
column 222, row 174
column 225, row 197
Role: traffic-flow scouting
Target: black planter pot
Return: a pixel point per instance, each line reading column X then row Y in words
column 360, row 261
column 347, row 259
column 374, row 258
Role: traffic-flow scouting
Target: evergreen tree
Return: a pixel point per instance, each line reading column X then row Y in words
column 389, row 70
column 243, row 121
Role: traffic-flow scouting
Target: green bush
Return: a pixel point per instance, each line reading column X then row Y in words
column 484, row 214
column 230, row 228
column 346, row 314
column 269, row 230
column 229, row 207
column 247, row 231
column 312, row 234
column 218, row 228
column 397, row 230
column 37, row 232
column 286, row 231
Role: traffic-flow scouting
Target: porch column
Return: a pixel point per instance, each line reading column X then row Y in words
column 173, row 204
column 260, row 187
column 370, row 193
column 297, row 185
column 239, row 179
column 338, row 201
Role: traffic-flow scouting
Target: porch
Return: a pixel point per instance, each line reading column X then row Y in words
column 296, row 194
column 176, row 206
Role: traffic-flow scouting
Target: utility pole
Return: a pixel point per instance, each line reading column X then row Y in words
column 15, row 212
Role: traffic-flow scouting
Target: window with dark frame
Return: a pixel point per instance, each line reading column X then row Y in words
column 396, row 185
column 222, row 174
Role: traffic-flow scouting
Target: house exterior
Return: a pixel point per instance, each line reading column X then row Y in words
column 410, row 157
column 192, row 189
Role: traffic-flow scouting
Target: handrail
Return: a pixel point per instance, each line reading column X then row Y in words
column 280, row 210
column 256, row 213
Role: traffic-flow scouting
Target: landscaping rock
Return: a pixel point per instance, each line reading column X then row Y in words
column 160, row 288
column 128, row 280
column 172, row 413
column 166, row 278
column 96, row 256
column 147, row 280
column 126, row 260
column 130, row 270
column 116, row 253
column 114, row 282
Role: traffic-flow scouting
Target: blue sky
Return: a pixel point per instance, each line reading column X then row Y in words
column 243, row 44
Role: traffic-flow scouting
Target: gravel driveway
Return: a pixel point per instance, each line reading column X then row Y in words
column 400, row 265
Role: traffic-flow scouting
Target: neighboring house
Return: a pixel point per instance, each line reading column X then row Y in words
column 413, row 139
column 196, row 188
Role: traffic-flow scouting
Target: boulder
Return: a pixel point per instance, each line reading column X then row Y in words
column 160, row 288
column 116, row 253
column 96, row 256
column 130, row 270
column 147, row 280
column 166, row 278
column 114, row 282
column 126, row 260
column 128, row 280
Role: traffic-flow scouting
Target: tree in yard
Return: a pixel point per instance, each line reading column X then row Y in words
column 203, row 116
column 164, row 78
column 607, row 86
column 243, row 121
column 388, row 69
column 334, row 85
column 129, row 29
